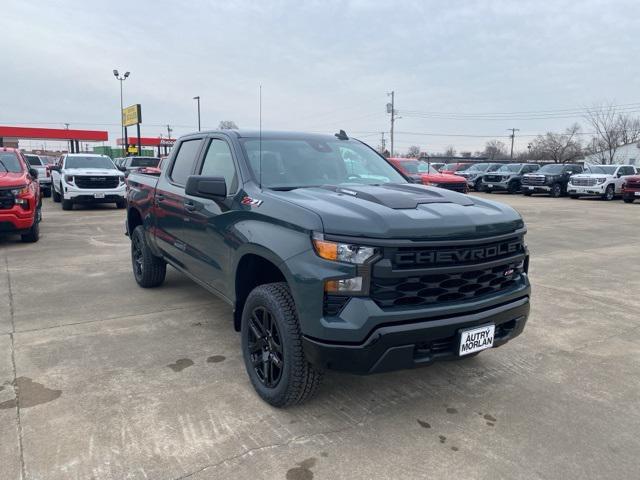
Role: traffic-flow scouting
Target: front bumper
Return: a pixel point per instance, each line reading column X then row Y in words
column 14, row 221
column 495, row 185
column 94, row 196
column 536, row 188
column 592, row 190
column 418, row 343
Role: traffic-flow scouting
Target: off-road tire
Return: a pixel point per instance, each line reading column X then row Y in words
column 628, row 199
column 299, row 379
column 148, row 269
column 33, row 234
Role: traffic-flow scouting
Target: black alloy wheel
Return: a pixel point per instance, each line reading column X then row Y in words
column 265, row 347
column 137, row 256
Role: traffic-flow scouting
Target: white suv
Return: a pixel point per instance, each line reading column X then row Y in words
column 604, row 181
column 87, row 178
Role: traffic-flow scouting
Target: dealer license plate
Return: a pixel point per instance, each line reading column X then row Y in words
column 637, row 194
column 530, row 188
column 490, row 185
column 98, row 195
column 476, row 339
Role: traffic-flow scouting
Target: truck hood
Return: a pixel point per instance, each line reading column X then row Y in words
column 442, row 178
column 592, row 175
column 92, row 171
column 12, row 179
column 405, row 211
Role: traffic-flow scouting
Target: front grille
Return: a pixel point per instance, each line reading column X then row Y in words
column 533, row 180
column 96, row 182
column 456, row 187
column 492, row 178
column 445, row 287
column 414, row 277
column 635, row 184
column 583, row 182
column 6, row 199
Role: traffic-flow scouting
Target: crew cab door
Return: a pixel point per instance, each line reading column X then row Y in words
column 209, row 223
column 169, row 199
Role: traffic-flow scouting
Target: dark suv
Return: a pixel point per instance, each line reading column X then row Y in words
column 551, row 179
column 508, row 177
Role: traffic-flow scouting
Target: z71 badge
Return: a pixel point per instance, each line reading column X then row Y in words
column 252, row 202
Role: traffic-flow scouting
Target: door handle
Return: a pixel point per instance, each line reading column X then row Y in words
column 189, row 206
column 160, row 197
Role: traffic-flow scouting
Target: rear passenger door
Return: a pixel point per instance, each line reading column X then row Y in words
column 209, row 223
column 169, row 210
column 623, row 171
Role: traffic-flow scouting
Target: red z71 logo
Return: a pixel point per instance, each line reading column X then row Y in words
column 252, row 202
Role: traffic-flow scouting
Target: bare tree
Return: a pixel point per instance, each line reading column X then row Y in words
column 465, row 154
column 495, row 149
column 559, row 147
column 227, row 125
column 629, row 128
column 606, row 123
column 413, row 152
column 450, row 151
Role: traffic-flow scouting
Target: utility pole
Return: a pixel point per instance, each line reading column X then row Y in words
column 392, row 110
column 169, row 130
column 513, row 136
column 121, row 79
column 198, row 100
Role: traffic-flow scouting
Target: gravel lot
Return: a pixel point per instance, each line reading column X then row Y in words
column 119, row 382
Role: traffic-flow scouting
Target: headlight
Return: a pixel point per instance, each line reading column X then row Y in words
column 601, row 180
column 471, row 176
column 344, row 286
column 121, row 178
column 20, row 191
column 68, row 178
column 342, row 252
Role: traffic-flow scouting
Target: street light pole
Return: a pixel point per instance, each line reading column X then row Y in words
column 122, row 130
column 198, row 100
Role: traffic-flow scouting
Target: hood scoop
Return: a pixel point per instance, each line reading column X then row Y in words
column 399, row 196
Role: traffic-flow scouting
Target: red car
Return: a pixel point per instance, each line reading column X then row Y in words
column 428, row 175
column 631, row 188
column 452, row 168
column 20, row 200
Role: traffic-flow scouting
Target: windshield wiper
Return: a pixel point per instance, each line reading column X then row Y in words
column 287, row 188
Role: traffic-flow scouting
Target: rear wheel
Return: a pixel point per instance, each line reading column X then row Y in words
column 628, row 199
column 56, row 196
column 148, row 270
column 556, row 190
column 609, row 193
column 272, row 347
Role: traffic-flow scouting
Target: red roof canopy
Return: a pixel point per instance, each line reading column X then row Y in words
column 54, row 134
column 148, row 141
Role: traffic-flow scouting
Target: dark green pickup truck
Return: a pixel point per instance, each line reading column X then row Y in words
column 329, row 256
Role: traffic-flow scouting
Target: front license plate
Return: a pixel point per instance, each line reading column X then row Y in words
column 490, row 185
column 476, row 339
column 98, row 195
column 530, row 188
column 637, row 194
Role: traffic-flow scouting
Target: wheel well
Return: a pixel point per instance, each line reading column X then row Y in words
column 253, row 270
column 133, row 220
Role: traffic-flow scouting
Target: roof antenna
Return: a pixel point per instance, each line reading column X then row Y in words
column 342, row 135
column 260, row 137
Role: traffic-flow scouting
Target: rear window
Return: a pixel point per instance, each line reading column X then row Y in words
column 33, row 160
column 145, row 162
column 9, row 162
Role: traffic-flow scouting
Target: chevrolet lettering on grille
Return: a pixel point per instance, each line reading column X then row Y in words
column 462, row 255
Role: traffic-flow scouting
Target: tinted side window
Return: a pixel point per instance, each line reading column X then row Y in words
column 185, row 158
column 218, row 162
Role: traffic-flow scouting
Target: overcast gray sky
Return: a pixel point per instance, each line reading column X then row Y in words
column 323, row 65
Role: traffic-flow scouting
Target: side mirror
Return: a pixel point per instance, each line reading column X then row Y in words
column 34, row 173
column 55, row 167
column 122, row 168
column 214, row 188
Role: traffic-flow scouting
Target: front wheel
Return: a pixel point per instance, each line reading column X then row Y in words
column 556, row 190
column 55, row 195
column 148, row 270
column 514, row 187
column 33, row 234
column 272, row 347
column 478, row 186
column 609, row 193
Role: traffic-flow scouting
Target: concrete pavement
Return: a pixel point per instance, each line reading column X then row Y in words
column 119, row 382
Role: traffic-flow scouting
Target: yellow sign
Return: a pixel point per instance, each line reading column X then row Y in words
column 132, row 149
column 132, row 115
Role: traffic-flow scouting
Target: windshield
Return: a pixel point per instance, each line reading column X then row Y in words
column 9, row 163
column 89, row 162
column 551, row 169
column 514, row 167
column 33, row 160
column 145, row 162
column 458, row 167
column 604, row 169
column 479, row 167
column 294, row 163
column 424, row 167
